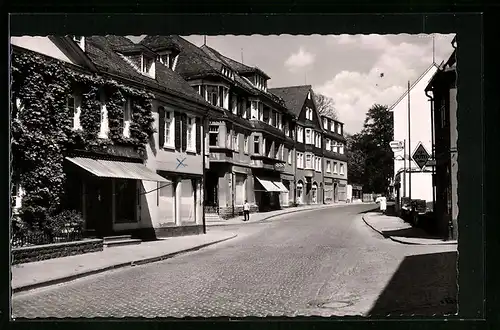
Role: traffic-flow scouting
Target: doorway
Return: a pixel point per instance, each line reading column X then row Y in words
column 98, row 206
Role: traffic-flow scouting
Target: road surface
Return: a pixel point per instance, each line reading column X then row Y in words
column 323, row 262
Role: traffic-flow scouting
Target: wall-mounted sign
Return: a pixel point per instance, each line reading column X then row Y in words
column 396, row 146
column 421, row 156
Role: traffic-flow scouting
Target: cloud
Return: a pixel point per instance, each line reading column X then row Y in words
column 345, row 39
column 299, row 60
column 355, row 92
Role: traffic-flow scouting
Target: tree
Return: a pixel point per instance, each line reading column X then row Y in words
column 378, row 131
column 370, row 158
column 355, row 159
column 325, row 105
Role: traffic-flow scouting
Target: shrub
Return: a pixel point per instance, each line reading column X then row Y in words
column 65, row 223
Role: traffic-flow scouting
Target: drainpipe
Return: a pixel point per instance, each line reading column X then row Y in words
column 205, row 129
column 431, row 100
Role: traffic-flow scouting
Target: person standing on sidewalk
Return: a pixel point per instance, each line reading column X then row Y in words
column 246, row 211
column 382, row 202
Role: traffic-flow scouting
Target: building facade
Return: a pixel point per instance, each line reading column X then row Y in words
column 250, row 144
column 313, row 184
column 334, row 161
column 119, row 190
column 413, row 127
column 442, row 91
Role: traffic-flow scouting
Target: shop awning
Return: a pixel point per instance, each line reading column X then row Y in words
column 268, row 185
column 117, row 170
column 281, row 186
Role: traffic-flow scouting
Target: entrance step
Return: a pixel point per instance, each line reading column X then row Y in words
column 120, row 240
column 212, row 217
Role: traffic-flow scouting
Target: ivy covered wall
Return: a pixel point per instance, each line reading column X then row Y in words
column 42, row 125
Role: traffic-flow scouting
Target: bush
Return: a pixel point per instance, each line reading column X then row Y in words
column 65, row 222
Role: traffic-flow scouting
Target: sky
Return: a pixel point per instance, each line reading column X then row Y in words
column 347, row 68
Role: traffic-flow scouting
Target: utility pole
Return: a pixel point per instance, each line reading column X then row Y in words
column 409, row 142
column 242, row 56
column 404, row 168
column 204, row 40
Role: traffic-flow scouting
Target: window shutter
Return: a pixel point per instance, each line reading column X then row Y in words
column 198, row 135
column 161, row 127
column 184, row 132
column 178, row 141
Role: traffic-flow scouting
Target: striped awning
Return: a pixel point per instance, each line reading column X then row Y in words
column 281, row 186
column 117, row 170
column 268, row 185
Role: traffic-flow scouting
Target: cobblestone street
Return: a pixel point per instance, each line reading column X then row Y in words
column 322, row 262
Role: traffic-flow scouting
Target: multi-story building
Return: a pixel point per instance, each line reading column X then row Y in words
column 411, row 133
column 117, row 189
column 334, row 161
column 442, row 91
column 250, row 146
column 308, row 142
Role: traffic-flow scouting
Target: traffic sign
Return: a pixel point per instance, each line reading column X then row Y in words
column 396, row 146
column 421, row 156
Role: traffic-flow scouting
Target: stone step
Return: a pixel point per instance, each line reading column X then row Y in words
column 109, row 239
column 130, row 241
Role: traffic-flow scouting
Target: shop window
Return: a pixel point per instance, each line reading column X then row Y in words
column 314, row 193
column 187, row 202
column 240, row 185
column 166, row 201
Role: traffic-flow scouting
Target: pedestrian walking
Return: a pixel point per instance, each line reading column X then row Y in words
column 382, row 202
column 246, row 211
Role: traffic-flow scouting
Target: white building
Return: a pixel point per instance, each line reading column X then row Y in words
column 412, row 134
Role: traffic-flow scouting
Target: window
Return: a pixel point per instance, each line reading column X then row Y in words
column 309, row 95
column 280, row 121
column 212, row 95
column 213, row 136
column 254, row 109
column 264, row 149
column 335, row 168
column 309, row 113
column 166, row 201
column 169, row 128
column 77, row 39
column 127, row 117
column 245, row 147
column 235, row 141
column 340, row 147
column 234, row 104
column 290, row 156
column 334, row 146
column 332, row 126
column 191, row 134
column 300, row 160
column 165, row 60
column 74, row 104
column 328, row 166
column 341, row 169
column 338, row 128
column 308, row 136
column 300, row 134
column 308, row 161
column 261, row 111
column 318, row 140
column 147, row 64
column 286, row 128
column 256, row 145
column 187, row 202
column 328, row 145
column 325, row 123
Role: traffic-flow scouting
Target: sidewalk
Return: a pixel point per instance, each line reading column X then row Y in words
column 399, row 231
column 262, row 216
column 53, row 271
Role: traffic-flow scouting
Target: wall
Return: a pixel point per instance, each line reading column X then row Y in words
column 421, row 185
column 58, row 250
column 41, row 45
column 420, row 120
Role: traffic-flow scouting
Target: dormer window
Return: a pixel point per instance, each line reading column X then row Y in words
column 147, row 65
column 309, row 113
column 165, row 59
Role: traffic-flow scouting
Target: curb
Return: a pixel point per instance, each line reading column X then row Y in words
column 277, row 215
column 73, row 277
column 402, row 241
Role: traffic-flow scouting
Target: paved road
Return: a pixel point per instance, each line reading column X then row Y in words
column 324, row 262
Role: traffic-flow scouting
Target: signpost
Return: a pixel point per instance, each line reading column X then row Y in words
column 396, row 146
column 421, row 156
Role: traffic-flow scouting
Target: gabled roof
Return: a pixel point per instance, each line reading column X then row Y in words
column 192, row 61
column 433, row 65
column 100, row 50
column 236, row 66
column 294, row 96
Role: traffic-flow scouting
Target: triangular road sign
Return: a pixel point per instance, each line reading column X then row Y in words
column 420, row 156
